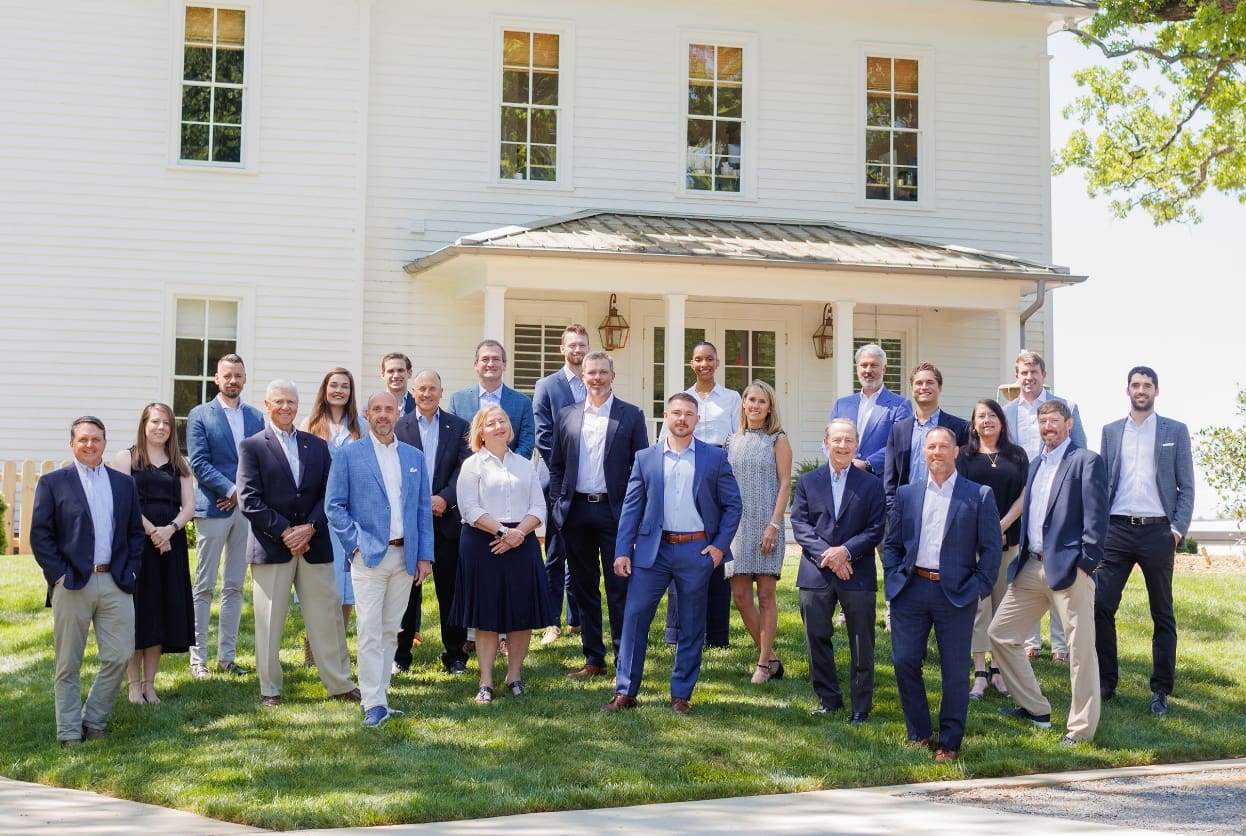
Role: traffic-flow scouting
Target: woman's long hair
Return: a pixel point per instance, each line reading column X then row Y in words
column 321, row 415
column 1006, row 446
column 140, row 460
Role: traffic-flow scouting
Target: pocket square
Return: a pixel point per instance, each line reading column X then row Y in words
column 413, row 470
column 1169, row 444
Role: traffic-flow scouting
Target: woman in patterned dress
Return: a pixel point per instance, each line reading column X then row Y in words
column 761, row 457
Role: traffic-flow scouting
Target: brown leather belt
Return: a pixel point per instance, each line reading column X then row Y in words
column 1120, row 518
column 926, row 573
column 101, row 568
column 397, row 542
column 671, row 537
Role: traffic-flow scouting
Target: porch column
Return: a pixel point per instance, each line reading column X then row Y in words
column 676, row 315
column 843, row 347
column 495, row 314
column 1009, row 344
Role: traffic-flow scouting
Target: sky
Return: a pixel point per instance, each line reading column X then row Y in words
column 1167, row 297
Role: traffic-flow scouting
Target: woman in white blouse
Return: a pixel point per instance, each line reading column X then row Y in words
column 501, row 580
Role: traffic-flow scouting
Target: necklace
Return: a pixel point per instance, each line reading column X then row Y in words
column 993, row 458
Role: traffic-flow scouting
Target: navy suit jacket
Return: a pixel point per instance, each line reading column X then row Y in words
column 465, row 403
column 271, row 501
column 62, row 535
column 970, row 554
column 888, row 409
column 213, row 454
column 452, row 451
column 714, row 490
column 1076, row 522
column 900, row 449
column 1174, row 468
column 626, row 435
column 552, row 395
column 858, row 527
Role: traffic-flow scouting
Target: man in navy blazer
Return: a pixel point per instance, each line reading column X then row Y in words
column 680, row 513
column 1150, row 499
column 874, row 410
column 595, row 444
column 444, row 452
column 1064, row 520
column 214, row 431
column 86, row 532
column 282, row 476
column 838, row 517
column 379, row 505
column 553, row 393
column 396, row 372
column 903, row 460
column 490, row 366
column 940, row 557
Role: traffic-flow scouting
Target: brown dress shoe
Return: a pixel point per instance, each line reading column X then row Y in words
column 923, row 743
column 620, row 702
column 89, row 733
column 352, row 695
column 679, row 705
column 943, row 755
column 270, row 702
column 70, row 743
column 587, row 672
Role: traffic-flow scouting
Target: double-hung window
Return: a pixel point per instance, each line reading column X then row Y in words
column 892, row 129
column 715, row 117
column 530, row 105
column 214, row 86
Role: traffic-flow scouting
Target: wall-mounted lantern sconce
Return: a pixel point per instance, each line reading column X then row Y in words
column 824, row 335
column 614, row 329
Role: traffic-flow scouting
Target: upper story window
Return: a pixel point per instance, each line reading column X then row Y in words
column 530, row 106
column 213, row 85
column 715, row 118
column 892, row 131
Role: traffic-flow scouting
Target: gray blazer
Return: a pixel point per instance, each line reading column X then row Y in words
column 1174, row 468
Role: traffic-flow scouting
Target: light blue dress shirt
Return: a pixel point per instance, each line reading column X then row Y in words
column 679, row 511
column 99, row 500
column 917, row 455
column 428, row 440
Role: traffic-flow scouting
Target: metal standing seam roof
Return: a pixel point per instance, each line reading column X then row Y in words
column 621, row 234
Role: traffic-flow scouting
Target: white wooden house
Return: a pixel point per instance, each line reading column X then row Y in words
column 318, row 182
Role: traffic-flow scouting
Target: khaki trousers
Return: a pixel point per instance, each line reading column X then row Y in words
column 988, row 606
column 1027, row 597
column 101, row 603
column 322, row 615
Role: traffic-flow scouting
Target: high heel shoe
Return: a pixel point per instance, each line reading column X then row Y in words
column 776, row 669
column 761, row 675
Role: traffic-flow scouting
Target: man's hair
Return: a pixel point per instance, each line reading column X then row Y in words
column 573, row 328
column 1053, row 405
column 386, row 392
column 281, row 385
column 433, row 372
column 595, row 356
column 493, row 343
column 87, row 419
column 230, row 358
column 396, row 355
column 926, row 367
column 1143, row 370
column 1029, row 358
column 871, row 348
column 842, row 422
column 683, row 396
column 939, row 428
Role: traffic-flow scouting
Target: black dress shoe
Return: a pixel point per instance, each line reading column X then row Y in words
column 1159, row 704
column 859, row 717
column 458, row 666
column 1106, row 693
column 823, row 709
column 1043, row 721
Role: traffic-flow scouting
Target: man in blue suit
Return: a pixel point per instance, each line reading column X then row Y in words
column 553, row 393
column 86, row 532
column 282, row 475
column 1150, row 499
column 873, row 410
column 379, row 505
column 838, row 517
column 680, row 514
column 1064, row 520
column 904, row 460
column 595, row 444
column 941, row 556
column 214, row 431
column 490, row 366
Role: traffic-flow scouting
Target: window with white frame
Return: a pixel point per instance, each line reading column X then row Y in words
column 894, row 376
column 715, row 117
column 206, row 330
column 534, row 351
column 892, row 131
column 213, row 85
column 530, row 105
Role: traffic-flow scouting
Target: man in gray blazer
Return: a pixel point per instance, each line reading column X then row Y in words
column 1151, row 499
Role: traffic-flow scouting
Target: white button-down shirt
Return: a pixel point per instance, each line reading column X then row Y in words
column 1027, row 425
column 391, row 475
column 507, row 489
column 1040, row 496
column 1137, row 492
column 590, row 477
column 935, row 508
column 718, row 414
column 866, row 408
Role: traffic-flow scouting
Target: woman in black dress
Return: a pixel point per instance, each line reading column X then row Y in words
column 164, row 616
column 990, row 458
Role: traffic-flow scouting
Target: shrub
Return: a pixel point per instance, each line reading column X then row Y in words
column 4, row 545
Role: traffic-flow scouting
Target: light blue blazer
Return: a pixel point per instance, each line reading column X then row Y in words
column 889, row 408
column 358, row 507
column 465, row 403
column 214, row 455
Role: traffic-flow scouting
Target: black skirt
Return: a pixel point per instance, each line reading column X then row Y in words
column 500, row 593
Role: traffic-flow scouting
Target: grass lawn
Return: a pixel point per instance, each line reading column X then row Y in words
column 210, row 749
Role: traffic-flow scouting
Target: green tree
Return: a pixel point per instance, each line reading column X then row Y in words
column 1222, row 456
column 1168, row 110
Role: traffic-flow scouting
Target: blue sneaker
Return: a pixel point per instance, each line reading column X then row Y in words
column 377, row 715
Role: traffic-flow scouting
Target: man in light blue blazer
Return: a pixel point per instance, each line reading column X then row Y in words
column 490, row 365
column 940, row 557
column 680, row 513
column 874, row 409
column 214, row 431
column 379, row 505
column 1151, row 499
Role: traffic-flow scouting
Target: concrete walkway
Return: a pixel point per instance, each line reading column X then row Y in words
column 909, row 809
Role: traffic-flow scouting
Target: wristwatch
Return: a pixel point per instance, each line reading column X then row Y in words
column 501, row 532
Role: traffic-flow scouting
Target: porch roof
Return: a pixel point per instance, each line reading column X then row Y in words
column 735, row 241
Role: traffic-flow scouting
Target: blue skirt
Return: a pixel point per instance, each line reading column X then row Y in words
column 500, row 593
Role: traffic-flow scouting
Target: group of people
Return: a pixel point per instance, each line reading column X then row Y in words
column 983, row 525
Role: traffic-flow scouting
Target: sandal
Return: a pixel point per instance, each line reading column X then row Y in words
column 149, row 691
column 762, row 674
column 997, row 679
column 517, row 687
column 485, row 695
column 136, row 692
column 776, row 669
column 980, row 681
